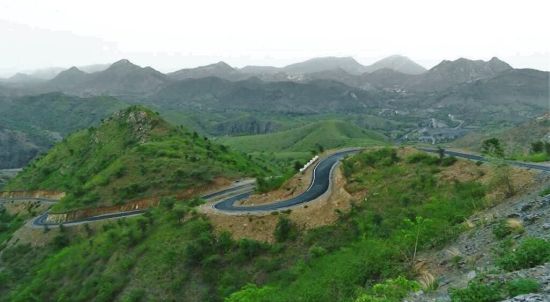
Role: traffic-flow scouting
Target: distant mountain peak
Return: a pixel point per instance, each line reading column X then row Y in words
column 123, row 64
column 348, row 64
column 397, row 63
column 73, row 70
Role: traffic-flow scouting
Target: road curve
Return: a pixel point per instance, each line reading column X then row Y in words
column 319, row 185
column 481, row 158
column 41, row 220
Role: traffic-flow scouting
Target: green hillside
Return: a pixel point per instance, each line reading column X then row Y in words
column 515, row 140
column 132, row 154
column 171, row 253
column 328, row 134
column 32, row 124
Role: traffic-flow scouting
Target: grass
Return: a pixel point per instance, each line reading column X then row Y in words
column 327, row 134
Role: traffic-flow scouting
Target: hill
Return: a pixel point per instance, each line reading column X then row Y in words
column 121, row 78
column 133, row 154
column 397, row 63
column 404, row 202
column 516, row 140
column 449, row 73
column 254, row 95
column 326, row 63
column 220, row 70
column 514, row 95
column 328, row 134
column 32, row 124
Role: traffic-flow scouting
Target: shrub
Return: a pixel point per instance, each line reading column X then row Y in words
column 477, row 292
column 530, row 253
column 422, row 158
column 518, row 287
column 448, row 161
column 383, row 157
column 248, row 249
column 506, row 227
column 391, row 290
column 317, row 251
column 285, row 229
column 252, row 293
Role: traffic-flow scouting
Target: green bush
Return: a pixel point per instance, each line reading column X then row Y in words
column 285, row 229
column 477, row 292
column 424, row 158
column 530, row 253
column 382, row 157
column 391, row 290
column 503, row 229
column 518, row 287
column 448, row 161
column 317, row 251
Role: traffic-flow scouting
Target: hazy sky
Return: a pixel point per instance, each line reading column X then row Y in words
column 169, row 35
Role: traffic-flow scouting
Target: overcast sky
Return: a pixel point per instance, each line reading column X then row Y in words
column 169, row 35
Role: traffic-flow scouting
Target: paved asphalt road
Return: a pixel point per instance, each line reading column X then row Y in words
column 40, row 221
column 319, row 185
column 481, row 158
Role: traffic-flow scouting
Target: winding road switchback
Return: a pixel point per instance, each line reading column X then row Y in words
column 320, row 184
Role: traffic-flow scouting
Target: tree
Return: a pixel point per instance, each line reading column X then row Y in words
column 492, row 147
column 414, row 235
column 285, row 229
column 537, row 147
column 297, row 166
column 320, row 148
column 441, row 153
column 503, row 178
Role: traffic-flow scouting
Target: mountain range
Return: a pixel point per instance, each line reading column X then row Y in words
column 219, row 99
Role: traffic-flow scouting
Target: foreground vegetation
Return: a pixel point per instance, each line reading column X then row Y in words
column 172, row 252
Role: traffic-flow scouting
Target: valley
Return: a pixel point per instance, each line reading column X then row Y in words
column 191, row 185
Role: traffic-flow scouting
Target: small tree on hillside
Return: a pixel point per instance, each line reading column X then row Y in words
column 285, row 229
column 492, row 147
column 537, row 147
column 503, row 178
column 297, row 166
column 440, row 152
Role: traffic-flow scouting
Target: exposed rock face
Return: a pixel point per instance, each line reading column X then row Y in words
column 140, row 122
column 530, row 298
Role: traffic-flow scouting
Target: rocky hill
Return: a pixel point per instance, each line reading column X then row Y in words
column 397, row 63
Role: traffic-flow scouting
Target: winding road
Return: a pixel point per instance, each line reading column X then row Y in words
column 41, row 220
column 319, row 185
column 225, row 200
